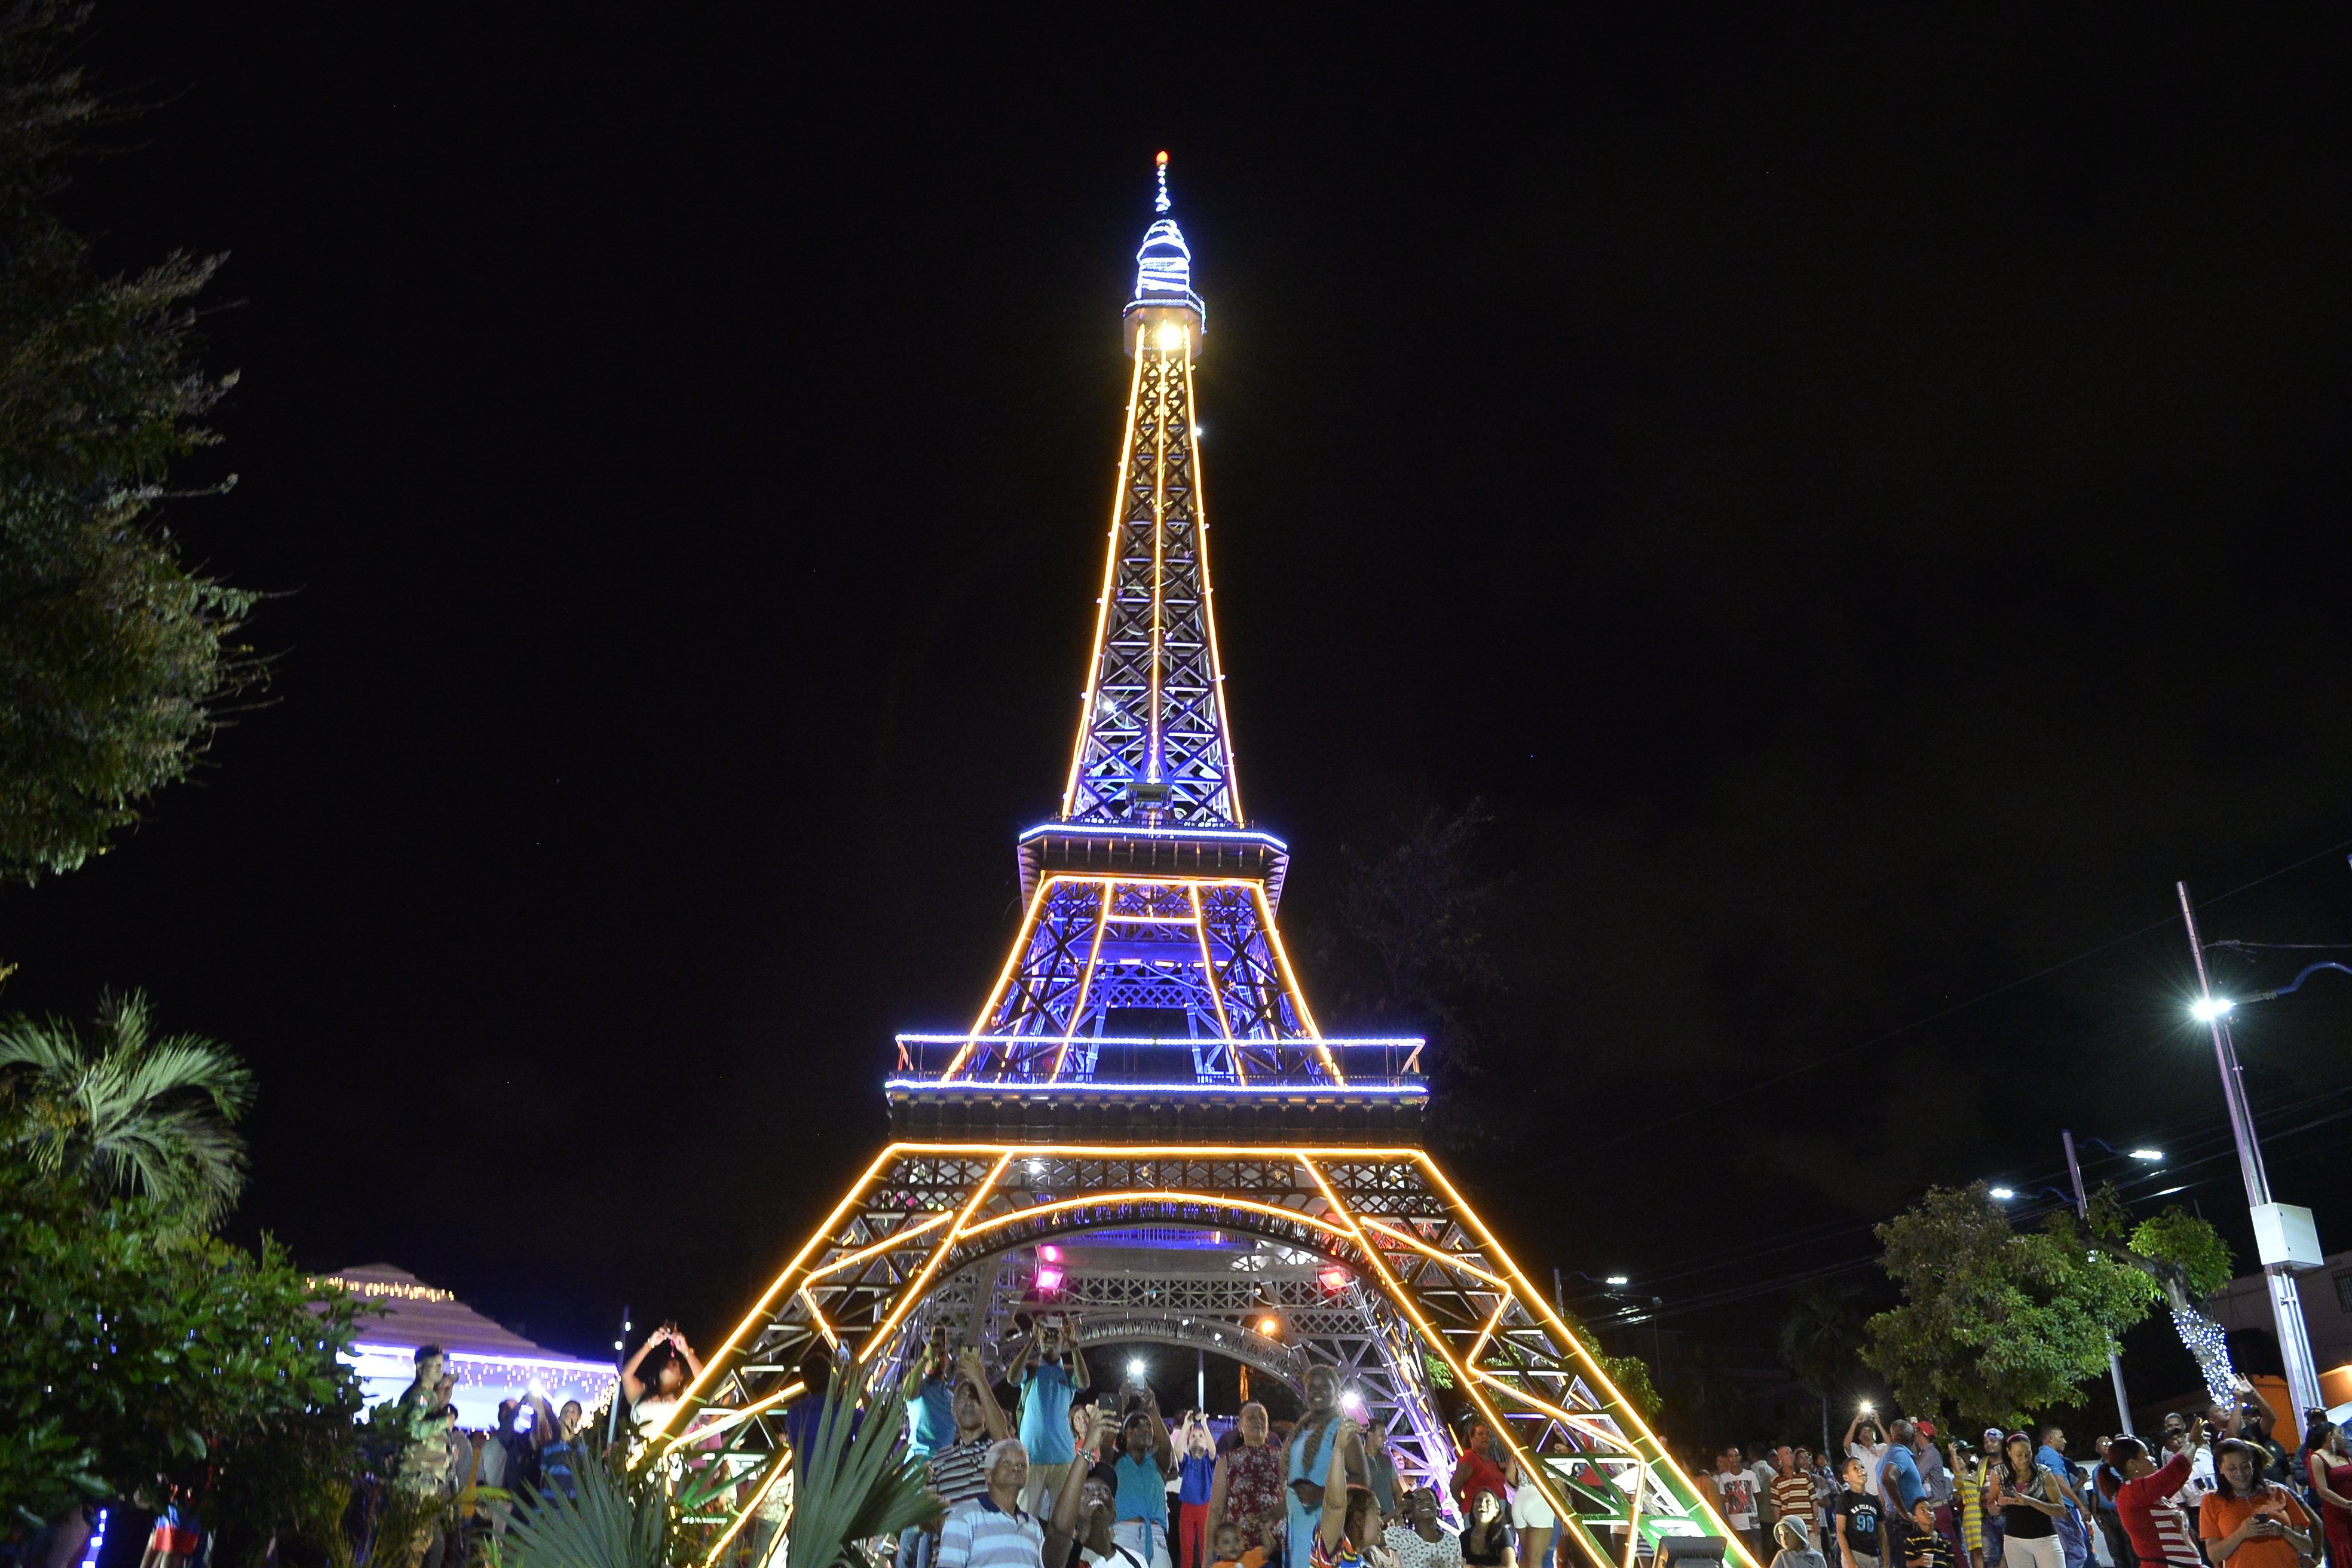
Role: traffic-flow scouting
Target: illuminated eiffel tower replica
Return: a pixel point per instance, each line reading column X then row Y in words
column 1146, row 1130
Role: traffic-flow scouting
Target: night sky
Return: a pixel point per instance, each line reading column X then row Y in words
column 1864, row 509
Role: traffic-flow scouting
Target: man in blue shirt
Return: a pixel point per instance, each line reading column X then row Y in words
column 929, row 1390
column 1046, row 1387
column 1899, row 1485
column 2073, row 1535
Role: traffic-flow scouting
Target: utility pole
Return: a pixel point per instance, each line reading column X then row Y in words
column 2083, row 1208
column 620, row 1360
column 2287, row 1302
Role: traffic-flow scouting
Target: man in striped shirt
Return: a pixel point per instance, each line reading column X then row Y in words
column 2160, row 1531
column 993, row 1530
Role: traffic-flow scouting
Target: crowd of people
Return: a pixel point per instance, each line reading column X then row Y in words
column 441, row 1465
column 1064, row 1479
column 1051, row 1469
column 2217, row 1490
column 1084, row 1474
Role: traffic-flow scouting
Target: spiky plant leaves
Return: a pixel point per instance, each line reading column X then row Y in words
column 854, row 1481
column 129, row 1113
column 617, row 1518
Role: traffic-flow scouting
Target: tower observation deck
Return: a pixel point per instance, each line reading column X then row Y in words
column 1149, row 970
column 1145, row 1135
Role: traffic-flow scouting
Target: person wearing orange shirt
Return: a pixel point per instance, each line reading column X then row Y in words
column 2247, row 1522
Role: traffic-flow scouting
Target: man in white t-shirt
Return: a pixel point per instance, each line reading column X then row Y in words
column 1738, row 1491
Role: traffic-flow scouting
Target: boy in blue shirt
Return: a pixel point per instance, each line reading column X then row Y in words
column 1046, row 1387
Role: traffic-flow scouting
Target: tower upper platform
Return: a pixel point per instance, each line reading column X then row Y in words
column 1149, row 972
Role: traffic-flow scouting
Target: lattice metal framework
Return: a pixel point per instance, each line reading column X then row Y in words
column 1152, row 904
column 1153, row 745
column 1096, row 947
column 923, row 1235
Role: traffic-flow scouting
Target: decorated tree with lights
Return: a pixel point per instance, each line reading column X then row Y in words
column 1998, row 1322
column 2187, row 1261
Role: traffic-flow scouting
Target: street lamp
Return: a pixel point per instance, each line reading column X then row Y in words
column 2287, row 1302
column 2083, row 1210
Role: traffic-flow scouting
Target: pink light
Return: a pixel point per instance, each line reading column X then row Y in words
column 1050, row 1253
column 1049, row 1279
column 1335, row 1280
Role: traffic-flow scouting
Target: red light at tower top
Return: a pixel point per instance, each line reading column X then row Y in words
column 1163, row 160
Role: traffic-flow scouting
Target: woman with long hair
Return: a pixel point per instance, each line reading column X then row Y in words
column 2030, row 1497
column 1487, row 1538
column 2331, row 1483
column 2250, row 1520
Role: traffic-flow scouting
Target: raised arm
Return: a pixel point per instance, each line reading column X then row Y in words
column 992, row 1413
column 1062, row 1525
column 631, row 1383
column 1845, row 1443
column 1079, row 1376
column 1333, row 1525
column 1163, row 1448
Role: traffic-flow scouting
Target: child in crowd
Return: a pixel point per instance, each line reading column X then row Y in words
column 1925, row 1546
column 1796, row 1545
column 1228, row 1549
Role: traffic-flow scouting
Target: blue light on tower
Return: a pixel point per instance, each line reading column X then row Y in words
column 1163, row 264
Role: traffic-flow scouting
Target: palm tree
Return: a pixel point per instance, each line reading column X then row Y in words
column 126, row 1111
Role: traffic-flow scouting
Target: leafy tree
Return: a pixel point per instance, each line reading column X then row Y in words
column 1996, row 1323
column 145, row 1356
column 115, row 659
column 2187, row 1261
column 126, row 1111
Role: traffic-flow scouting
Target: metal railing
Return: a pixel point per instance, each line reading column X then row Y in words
column 1176, row 1064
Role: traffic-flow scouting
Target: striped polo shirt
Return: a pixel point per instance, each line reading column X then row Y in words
column 979, row 1535
column 960, row 1470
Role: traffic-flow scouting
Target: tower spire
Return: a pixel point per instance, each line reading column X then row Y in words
column 1153, row 745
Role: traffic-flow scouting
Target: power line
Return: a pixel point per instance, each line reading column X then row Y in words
column 1957, row 1007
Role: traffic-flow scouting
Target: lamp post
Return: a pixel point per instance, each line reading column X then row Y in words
column 2287, row 1302
column 2083, row 1208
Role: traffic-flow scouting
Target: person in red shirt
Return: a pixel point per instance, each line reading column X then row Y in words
column 2160, row 1531
column 1477, row 1471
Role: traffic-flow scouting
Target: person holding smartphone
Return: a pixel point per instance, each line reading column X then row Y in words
column 2148, row 1502
column 1047, row 1374
column 2251, row 1521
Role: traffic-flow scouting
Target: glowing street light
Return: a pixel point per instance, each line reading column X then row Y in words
column 1617, row 1279
column 2153, row 1156
column 2287, row 1302
column 2003, row 1194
